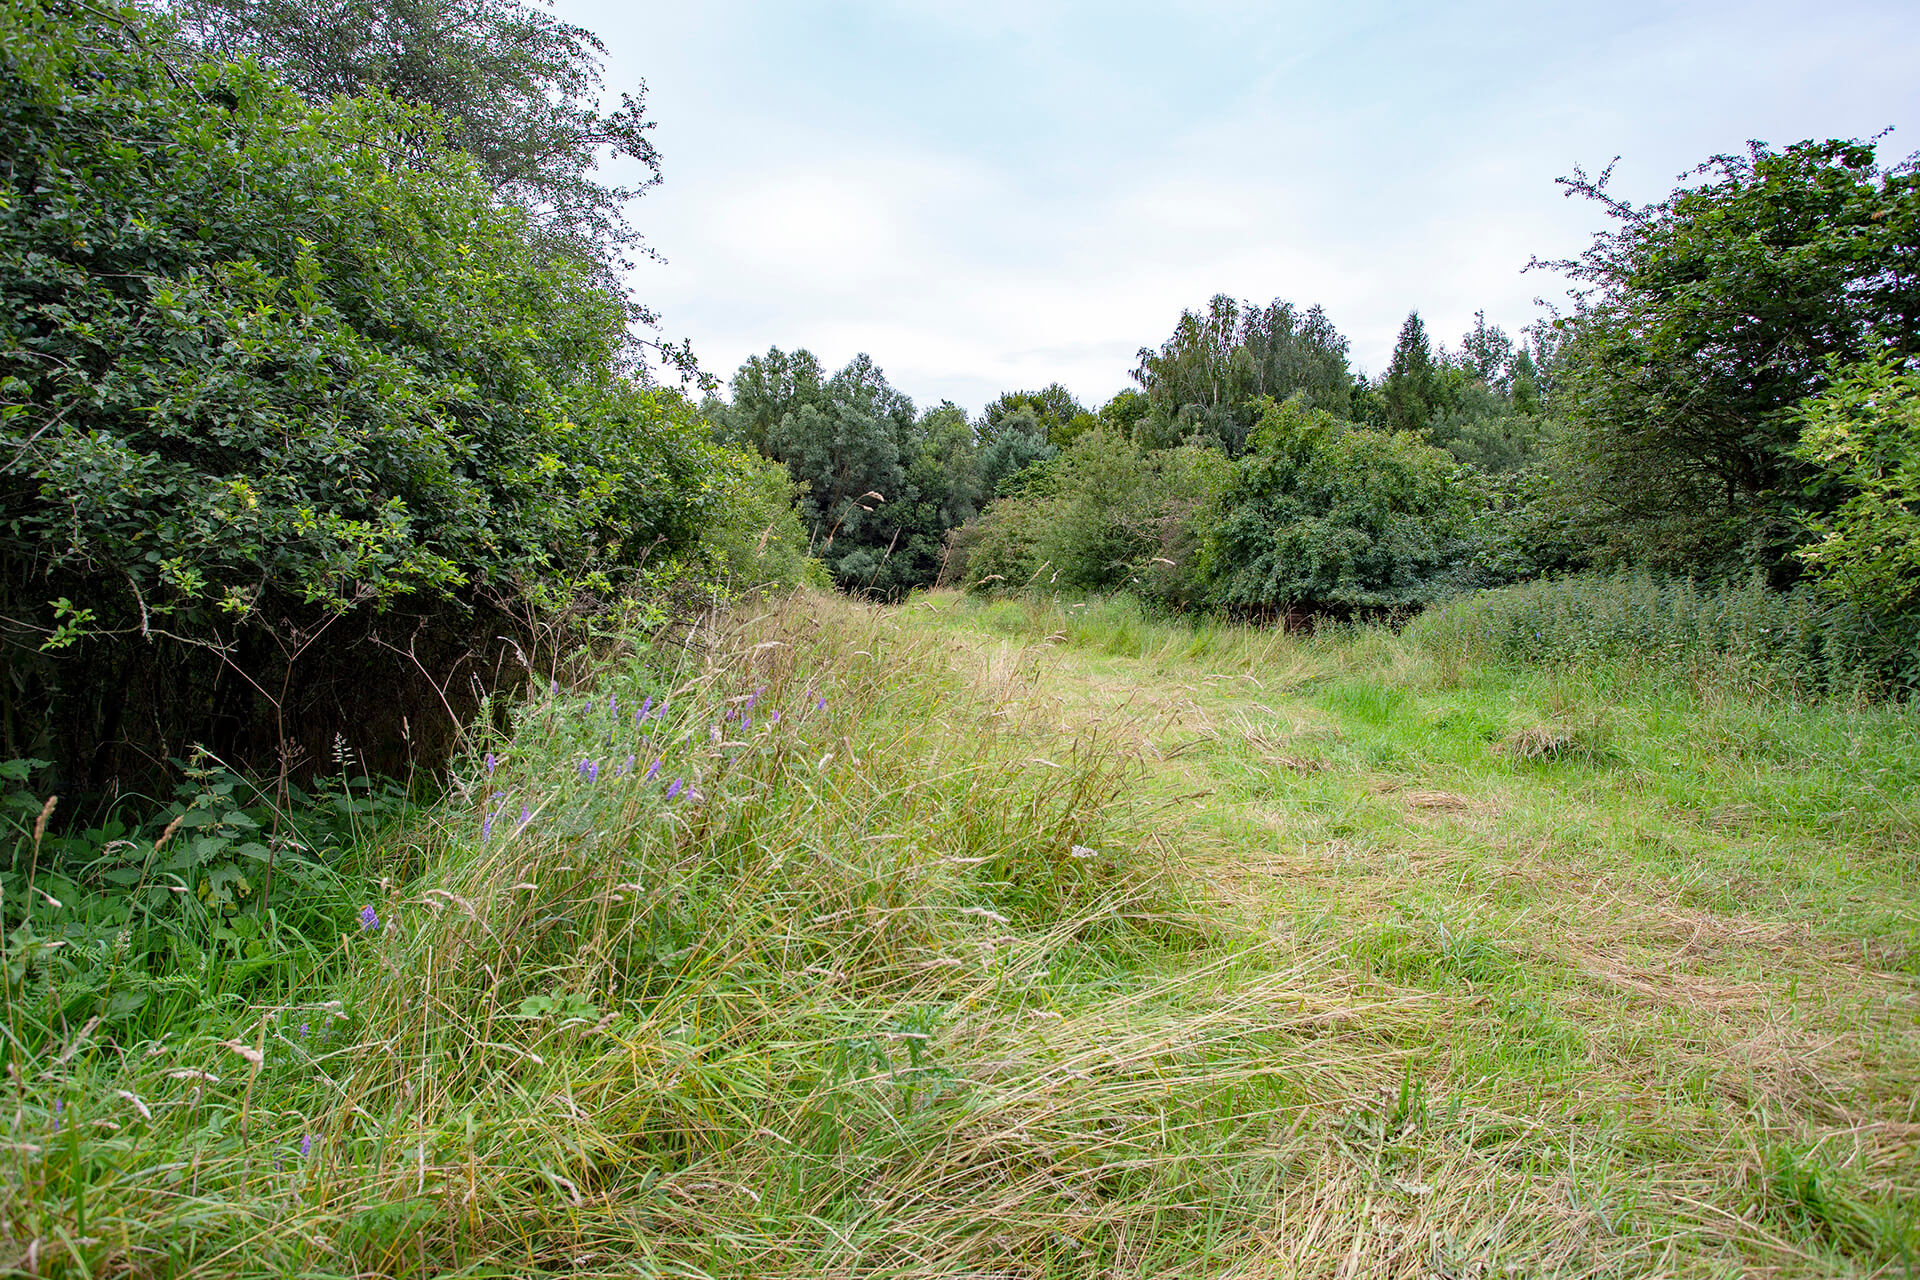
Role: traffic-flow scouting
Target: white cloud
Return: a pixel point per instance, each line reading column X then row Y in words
column 1015, row 193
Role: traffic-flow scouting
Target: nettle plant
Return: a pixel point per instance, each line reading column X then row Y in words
column 155, row 916
column 298, row 415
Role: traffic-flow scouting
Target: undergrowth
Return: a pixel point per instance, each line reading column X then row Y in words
column 730, row 965
column 1028, row 938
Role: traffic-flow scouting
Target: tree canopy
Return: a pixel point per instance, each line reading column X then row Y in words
column 273, row 371
column 1707, row 317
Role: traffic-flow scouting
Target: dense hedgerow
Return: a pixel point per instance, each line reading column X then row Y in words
column 304, row 428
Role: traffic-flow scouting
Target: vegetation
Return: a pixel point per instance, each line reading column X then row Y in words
column 301, row 420
column 454, row 826
column 1711, row 316
column 1058, row 941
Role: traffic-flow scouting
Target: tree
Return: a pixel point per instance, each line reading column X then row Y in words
column 1863, row 432
column 517, row 88
column 1205, row 381
column 1409, row 391
column 1704, row 320
column 1106, row 515
column 765, row 390
column 1125, row 412
column 1487, row 353
column 1484, row 402
column 299, row 418
column 1053, row 407
column 1018, row 441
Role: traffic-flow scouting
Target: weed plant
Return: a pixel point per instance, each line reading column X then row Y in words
column 1798, row 642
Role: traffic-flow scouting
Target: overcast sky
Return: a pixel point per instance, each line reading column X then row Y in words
column 1004, row 193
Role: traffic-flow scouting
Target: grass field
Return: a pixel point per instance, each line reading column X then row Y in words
column 1035, row 940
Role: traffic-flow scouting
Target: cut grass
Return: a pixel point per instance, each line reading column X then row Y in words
column 1064, row 942
column 1666, row 927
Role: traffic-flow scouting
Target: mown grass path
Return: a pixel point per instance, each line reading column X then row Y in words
column 1610, row 975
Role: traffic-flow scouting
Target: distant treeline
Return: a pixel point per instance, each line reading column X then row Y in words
column 1732, row 395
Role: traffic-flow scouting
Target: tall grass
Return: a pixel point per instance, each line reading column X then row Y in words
column 796, row 1001
column 1796, row 642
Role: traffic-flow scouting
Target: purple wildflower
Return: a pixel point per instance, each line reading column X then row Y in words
column 652, row 770
column 486, row 826
column 774, row 718
column 526, row 816
column 553, row 688
column 613, row 705
column 674, row 790
column 746, row 722
column 644, row 708
column 306, row 1146
column 755, row 696
column 628, row 766
column 593, row 771
column 491, row 761
column 584, row 766
column 59, row 1105
column 303, row 1031
column 822, row 704
column 369, row 919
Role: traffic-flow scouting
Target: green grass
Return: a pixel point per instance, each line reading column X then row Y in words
column 1062, row 941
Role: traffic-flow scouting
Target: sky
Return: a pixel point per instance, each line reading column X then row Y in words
column 1001, row 194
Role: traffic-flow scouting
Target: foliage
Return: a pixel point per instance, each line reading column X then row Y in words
column 299, row 419
column 1323, row 515
column 179, row 922
column 1863, row 432
column 1408, row 391
column 756, row 542
column 1105, row 515
column 880, row 485
column 1017, row 442
column 1708, row 317
column 1207, row 380
column 765, row 390
column 1517, row 528
column 1058, row 417
column 516, row 88
column 1799, row 641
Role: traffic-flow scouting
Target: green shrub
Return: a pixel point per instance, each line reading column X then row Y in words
column 1324, row 516
column 156, row 919
column 1864, row 431
column 299, row 419
column 1105, row 515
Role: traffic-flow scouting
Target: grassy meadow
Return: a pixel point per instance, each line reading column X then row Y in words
column 1033, row 939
